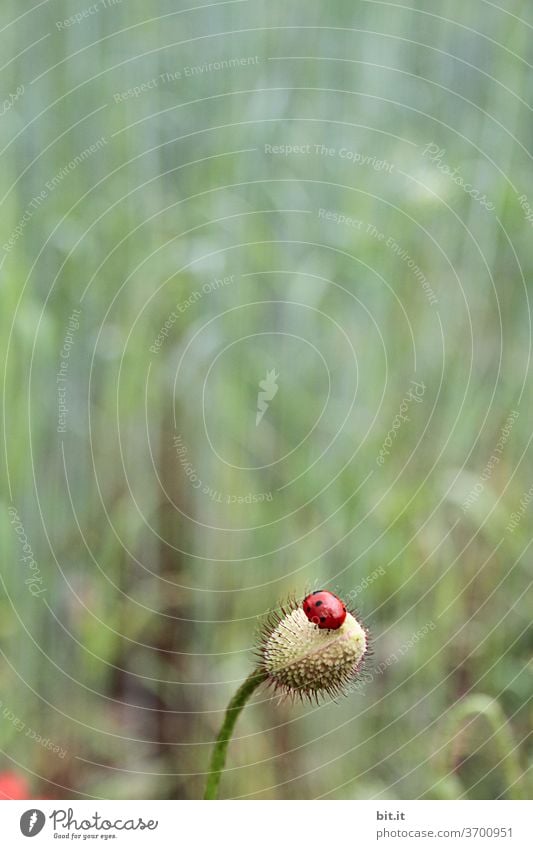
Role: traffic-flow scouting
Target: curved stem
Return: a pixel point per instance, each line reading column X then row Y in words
column 502, row 738
column 218, row 756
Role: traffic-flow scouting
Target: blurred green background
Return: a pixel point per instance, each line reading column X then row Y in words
column 141, row 187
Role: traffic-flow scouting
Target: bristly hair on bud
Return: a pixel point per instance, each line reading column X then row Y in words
column 303, row 661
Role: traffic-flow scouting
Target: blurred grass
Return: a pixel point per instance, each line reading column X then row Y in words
column 150, row 611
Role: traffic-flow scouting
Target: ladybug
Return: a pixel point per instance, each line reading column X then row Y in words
column 324, row 609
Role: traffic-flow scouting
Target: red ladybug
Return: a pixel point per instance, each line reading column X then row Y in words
column 324, row 609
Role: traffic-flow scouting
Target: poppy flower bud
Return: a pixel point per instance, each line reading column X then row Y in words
column 302, row 659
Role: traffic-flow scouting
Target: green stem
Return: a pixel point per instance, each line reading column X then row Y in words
column 218, row 756
column 502, row 738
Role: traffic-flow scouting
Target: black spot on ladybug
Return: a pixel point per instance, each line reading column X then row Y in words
column 318, row 603
column 322, row 618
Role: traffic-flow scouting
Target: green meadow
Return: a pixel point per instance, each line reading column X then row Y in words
column 333, row 200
